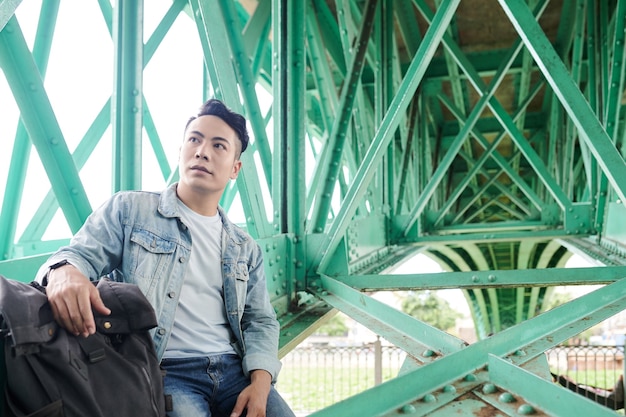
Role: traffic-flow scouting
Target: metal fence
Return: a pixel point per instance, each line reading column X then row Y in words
column 314, row 377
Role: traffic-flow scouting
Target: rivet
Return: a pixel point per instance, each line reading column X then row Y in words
column 489, row 389
column 407, row 409
column 451, row 389
column 506, row 397
column 526, row 409
column 429, row 398
column 470, row 377
column 107, row 325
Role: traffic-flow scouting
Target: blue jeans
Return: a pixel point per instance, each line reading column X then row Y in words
column 209, row 386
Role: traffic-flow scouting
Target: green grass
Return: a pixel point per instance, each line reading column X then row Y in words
column 314, row 388
column 604, row 379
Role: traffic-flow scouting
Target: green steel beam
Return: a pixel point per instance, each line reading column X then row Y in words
column 36, row 228
column 548, row 329
column 289, row 189
column 247, row 84
column 385, row 132
column 44, row 214
column 329, row 168
column 7, row 10
column 486, row 99
column 16, row 177
column 486, row 279
column 38, row 117
column 418, row 339
column 545, row 395
column 499, row 159
column 23, row 269
column 127, row 98
column 83, row 151
column 552, row 67
column 214, row 38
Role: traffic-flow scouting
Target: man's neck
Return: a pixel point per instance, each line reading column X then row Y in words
column 205, row 205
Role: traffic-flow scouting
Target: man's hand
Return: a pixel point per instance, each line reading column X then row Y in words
column 254, row 397
column 72, row 297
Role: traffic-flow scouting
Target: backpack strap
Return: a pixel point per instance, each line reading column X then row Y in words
column 92, row 347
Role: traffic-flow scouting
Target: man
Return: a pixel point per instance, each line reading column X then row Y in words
column 217, row 334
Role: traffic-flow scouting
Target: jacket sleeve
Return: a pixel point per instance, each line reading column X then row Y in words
column 259, row 325
column 96, row 249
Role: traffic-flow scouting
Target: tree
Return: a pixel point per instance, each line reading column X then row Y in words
column 336, row 326
column 431, row 309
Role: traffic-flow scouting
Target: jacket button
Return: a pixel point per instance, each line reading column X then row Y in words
column 161, row 331
column 171, row 294
column 181, row 259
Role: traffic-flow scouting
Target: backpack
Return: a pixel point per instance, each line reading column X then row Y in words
column 52, row 373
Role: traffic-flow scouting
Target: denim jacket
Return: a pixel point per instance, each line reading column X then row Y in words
column 139, row 237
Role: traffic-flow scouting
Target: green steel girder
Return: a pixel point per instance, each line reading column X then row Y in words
column 385, row 132
column 213, row 31
column 21, row 151
column 589, row 127
column 393, row 128
column 7, row 10
column 126, row 101
column 329, row 167
column 484, row 279
column 38, row 117
column 530, row 338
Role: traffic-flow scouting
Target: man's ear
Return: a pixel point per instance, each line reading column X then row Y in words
column 236, row 169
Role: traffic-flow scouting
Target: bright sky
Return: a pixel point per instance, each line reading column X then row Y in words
column 78, row 83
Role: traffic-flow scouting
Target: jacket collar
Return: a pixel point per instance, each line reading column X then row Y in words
column 168, row 207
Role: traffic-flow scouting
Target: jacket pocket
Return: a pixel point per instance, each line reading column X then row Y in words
column 150, row 256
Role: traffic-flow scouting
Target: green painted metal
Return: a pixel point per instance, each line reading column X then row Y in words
column 548, row 329
column 385, row 131
column 380, row 130
column 7, row 10
column 213, row 32
column 536, row 390
column 126, row 102
column 590, row 129
column 484, row 278
column 22, row 145
column 38, row 117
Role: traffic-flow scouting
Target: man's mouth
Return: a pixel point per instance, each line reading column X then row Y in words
column 200, row 168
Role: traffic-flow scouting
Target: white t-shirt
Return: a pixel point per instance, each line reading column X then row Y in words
column 200, row 325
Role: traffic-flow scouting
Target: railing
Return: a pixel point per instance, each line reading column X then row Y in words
column 314, row 377
column 593, row 371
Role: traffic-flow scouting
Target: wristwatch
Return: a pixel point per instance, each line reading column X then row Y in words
column 58, row 264
column 54, row 266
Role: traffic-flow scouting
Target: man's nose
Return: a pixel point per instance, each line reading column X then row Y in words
column 201, row 154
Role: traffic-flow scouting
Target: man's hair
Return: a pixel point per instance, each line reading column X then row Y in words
column 236, row 121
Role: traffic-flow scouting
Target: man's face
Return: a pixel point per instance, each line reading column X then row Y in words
column 209, row 155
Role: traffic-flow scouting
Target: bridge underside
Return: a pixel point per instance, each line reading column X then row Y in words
column 487, row 135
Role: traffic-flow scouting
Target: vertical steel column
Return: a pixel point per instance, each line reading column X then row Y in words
column 127, row 105
column 288, row 185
